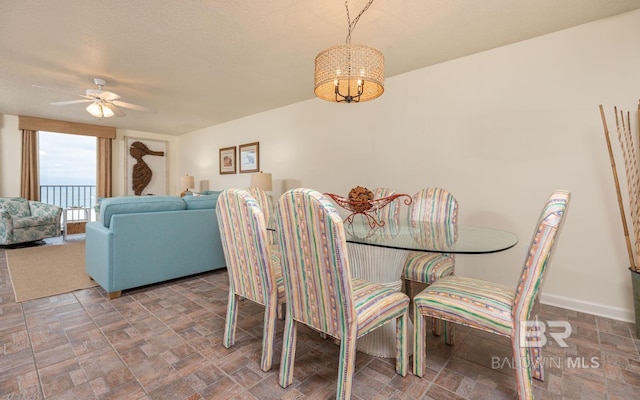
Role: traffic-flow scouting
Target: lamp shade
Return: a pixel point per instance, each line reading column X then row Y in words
column 262, row 181
column 98, row 110
column 187, row 182
column 349, row 72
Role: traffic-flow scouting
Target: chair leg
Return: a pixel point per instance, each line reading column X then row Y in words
column 419, row 345
column 288, row 350
column 535, row 352
column 282, row 310
column 231, row 320
column 537, row 366
column 347, row 365
column 522, row 364
column 268, row 335
column 409, row 288
column 449, row 333
column 402, row 355
column 436, row 326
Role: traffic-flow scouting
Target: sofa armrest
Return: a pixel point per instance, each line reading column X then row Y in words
column 99, row 254
column 6, row 226
column 5, row 217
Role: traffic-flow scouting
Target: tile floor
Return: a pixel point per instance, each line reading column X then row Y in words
column 164, row 342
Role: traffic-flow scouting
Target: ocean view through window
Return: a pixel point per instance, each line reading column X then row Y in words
column 67, row 169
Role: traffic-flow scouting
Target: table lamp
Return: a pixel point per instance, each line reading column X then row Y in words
column 262, row 181
column 187, row 182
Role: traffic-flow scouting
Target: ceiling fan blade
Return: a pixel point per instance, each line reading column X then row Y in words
column 116, row 111
column 108, row 96
column 132, row 106
column 69, row 102
column 61, row 91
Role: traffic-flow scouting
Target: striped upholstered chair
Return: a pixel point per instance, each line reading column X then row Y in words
column 253, row 265
column 320, row 290
column 432, row 205
column 391, row 213
column 263, row 200
column 496, row 308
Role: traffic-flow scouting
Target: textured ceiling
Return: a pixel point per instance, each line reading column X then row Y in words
column 201, row 63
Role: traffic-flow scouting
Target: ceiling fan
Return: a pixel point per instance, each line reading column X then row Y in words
column 104, row 104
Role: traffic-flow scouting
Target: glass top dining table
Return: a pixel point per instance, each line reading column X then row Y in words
column 430, row 236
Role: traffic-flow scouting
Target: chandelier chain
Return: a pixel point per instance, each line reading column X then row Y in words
column 352, row 24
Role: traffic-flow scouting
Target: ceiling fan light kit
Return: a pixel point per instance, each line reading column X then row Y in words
column 99, row 111
column 349, row 73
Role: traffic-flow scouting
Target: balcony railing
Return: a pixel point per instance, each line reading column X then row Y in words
column 66, row 196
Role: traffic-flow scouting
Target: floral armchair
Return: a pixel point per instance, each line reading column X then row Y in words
column 23, row 220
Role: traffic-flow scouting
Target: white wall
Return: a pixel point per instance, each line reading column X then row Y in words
column 500, row 129
column 10, row 156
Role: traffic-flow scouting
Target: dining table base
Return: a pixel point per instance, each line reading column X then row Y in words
column 384, row 266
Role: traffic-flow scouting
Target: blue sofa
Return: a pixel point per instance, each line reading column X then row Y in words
column 139, row 241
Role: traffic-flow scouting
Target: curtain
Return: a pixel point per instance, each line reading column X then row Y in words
column 29, row 185
column 104, row 150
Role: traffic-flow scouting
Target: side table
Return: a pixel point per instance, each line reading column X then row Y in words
column 74, row 216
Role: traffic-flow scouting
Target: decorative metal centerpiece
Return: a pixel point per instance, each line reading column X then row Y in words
column 361, row 202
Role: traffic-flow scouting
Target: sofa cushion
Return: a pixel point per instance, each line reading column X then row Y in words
column 17, row 207
column 137, row 204
column 200, row 202
column 29, row 222
column 214, row 193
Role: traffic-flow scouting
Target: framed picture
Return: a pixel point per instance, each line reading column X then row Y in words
column 228, row 160
column 249, row 157
column 146, row 167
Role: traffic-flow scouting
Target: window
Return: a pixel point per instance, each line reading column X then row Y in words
column 67, row 169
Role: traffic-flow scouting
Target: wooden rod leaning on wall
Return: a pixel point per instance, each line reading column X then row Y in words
column 618, row 193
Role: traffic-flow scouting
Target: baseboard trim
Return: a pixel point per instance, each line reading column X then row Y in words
column 620, row 314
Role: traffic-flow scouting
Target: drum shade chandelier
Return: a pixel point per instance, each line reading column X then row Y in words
column 349, row 73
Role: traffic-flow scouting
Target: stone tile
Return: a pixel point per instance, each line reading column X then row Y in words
column 20, row 381
column 178, row 389
column 205, row 377
column 61, row 377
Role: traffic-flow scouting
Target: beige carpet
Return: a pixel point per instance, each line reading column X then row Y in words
column 48, row 270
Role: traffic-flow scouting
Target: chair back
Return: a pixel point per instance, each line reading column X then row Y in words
column 314, row 263
column 539, row 255
column 264, row 201
column 434, row 205
column 243, row 231
column 17, row 207
column 390, row 213
column 435, row 236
